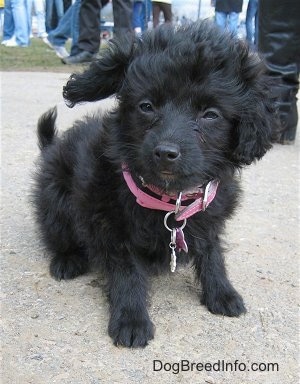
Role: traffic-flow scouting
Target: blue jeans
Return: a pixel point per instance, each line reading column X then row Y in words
column 16, row 22
column 139, row 15
column 59, row 6
column 39, row 8
column 251, row 28
column 142, row 10
column 227, row 21
column 67, row 27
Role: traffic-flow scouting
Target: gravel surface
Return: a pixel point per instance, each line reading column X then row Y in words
column 56, row 332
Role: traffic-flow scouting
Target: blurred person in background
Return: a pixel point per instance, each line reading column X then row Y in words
column 122, row 11
column 1, row 16
column 251, row 22
column 138, row 17
column 227, row 14
column 15, row 27
column 164, row 6
column 38, row 6
column 279, row 44
column 89, row 33
column 141, row 15
column 52, row 6
column 89, row 27
column 68, row 27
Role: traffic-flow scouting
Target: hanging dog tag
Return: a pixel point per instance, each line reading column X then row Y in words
column 173, row 260
column 177, row 240
column 180, row 241
column 172, row 245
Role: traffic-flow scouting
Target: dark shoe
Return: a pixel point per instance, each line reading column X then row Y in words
column 286, row 139
column 82, row 57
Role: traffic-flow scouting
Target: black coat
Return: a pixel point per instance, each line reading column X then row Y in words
column 228, row 6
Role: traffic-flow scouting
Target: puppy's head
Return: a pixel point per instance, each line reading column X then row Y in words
column 193, row 103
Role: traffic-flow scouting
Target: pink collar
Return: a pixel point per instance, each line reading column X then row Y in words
column 201, row 199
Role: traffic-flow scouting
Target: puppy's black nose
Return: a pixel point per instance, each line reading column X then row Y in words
column 166, row 153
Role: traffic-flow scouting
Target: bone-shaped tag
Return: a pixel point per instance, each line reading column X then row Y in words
column 180, row 241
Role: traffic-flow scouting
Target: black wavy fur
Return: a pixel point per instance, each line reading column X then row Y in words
column 193, row 105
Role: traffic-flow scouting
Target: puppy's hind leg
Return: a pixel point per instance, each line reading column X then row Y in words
column 52, row 199
column 69, row 257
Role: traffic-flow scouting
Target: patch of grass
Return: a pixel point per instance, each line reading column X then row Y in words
column 37, row 57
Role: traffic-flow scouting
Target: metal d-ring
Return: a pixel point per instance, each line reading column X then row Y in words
column 178, row 203
column 166, row 220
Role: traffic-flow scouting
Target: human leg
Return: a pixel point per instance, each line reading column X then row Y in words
column 9, row 25
column 137, row 22
column 221, row 19
column 233, row 21
column 59, row 8
column 58, row 37
column 75, row 27
column 167, row 11
column 156, row 12
column 62, row 32
column 20, row 16
column 282, row 57
column 89, row 26
column 29, row 6
column 49, row 12
column 89, row 33
column 122, row 16
column 39, row 8
column 251, row 21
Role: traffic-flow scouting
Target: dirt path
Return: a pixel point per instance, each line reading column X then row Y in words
column 56, row 332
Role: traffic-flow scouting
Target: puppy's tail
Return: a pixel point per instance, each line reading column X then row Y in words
column 46, row 129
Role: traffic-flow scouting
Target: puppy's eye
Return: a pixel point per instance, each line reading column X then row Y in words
column 146, row 107
column 210, row 115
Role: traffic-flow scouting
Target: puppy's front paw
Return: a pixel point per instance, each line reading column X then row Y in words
column 131, row 333
column 227, row 303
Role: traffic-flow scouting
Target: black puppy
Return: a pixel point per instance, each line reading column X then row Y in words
column 156, row 175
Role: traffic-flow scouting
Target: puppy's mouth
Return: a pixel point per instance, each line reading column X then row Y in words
column 168, row 189
column 167, row 175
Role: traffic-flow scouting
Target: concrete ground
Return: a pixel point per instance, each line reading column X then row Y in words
column 56, row 332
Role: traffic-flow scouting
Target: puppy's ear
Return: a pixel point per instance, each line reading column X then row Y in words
column 104, row 77
column 258, row 124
